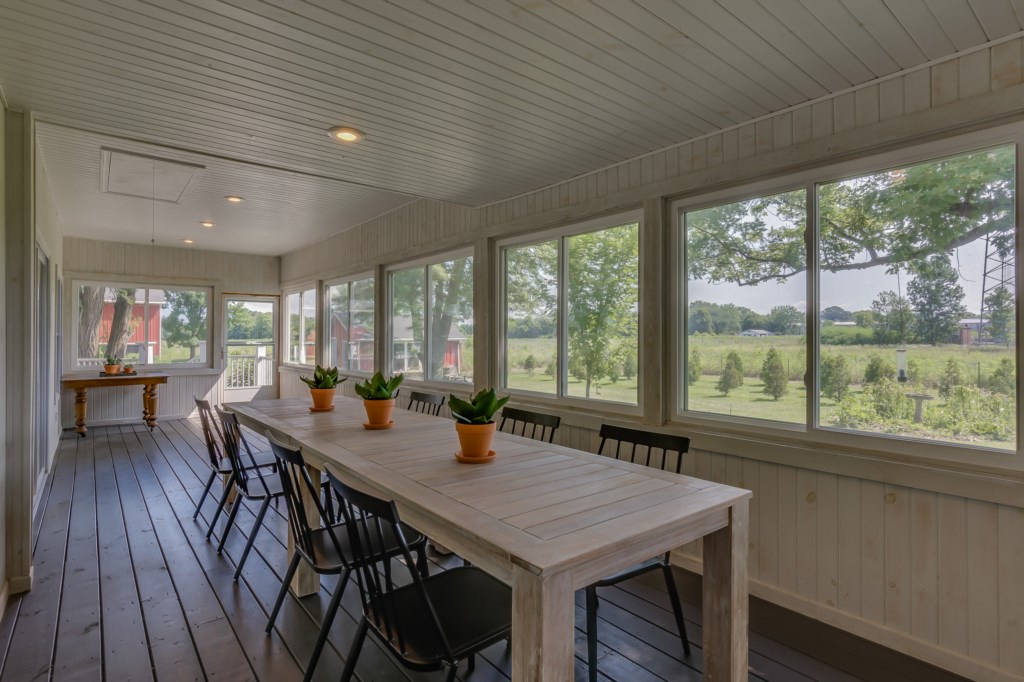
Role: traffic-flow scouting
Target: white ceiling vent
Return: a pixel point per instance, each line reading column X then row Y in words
column 147, row 177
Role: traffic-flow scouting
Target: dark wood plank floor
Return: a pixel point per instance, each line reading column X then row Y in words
column 127, row 588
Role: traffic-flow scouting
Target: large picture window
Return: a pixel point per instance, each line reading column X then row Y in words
column 572, row 315
column 351, row 324
column 142, row 325
column 300, row 313
column 432, row 321
column 913, row 271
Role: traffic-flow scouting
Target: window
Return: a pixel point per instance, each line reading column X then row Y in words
column 913, row 267
column 351, row 325
column 572, row 315
column 432, row 321
column 918, row 315
column 745, row 315
column 300, row 311
column 142, row 326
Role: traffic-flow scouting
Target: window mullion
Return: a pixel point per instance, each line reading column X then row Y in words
column 562, row 365
column 427, row 343
column 813, row 316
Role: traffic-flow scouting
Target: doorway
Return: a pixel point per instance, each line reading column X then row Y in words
column 250, row 348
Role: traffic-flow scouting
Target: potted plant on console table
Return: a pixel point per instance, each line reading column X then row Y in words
column 474, row 422
column 321, row 387
column 378, row 394
column 112, row 365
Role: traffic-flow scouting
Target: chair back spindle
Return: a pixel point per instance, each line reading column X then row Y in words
column 243, row 463
column 212, row 434
column 529, row 423
column 634, row 438
column 426, row 403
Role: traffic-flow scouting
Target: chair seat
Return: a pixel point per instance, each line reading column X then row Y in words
column 325, row 556
column 631, row 572
column 262, row 459
column 257, row 490
column 474, row 609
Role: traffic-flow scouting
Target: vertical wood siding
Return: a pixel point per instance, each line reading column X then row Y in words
column 228, row 272
column 936, row 575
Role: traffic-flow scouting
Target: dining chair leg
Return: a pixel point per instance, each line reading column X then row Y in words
column 206, row 491
column 353, row 654
column 329, row 505
column 220, row 505
column 592, row 633
column 293, row 566
column 452, row 672
column 325, row 626
column 252, row 536
column 471, row 663
column 227, row 528
column 421, row 561
column 677, row 609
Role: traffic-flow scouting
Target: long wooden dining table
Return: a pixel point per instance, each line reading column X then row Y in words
column 545, row 519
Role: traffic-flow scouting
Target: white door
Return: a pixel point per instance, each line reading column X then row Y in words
column 250, row 347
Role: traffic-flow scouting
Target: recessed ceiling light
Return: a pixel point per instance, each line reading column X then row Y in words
column 345, row 134
column 235, row 200
column 187, row 241
column 207, row 224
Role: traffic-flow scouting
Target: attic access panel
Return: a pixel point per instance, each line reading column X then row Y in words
column 147, row 177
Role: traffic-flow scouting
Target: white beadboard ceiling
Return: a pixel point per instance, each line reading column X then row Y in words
column 469, row 101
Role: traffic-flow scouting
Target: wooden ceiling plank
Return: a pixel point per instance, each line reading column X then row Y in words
column 877, row 19
column 845, row 27
column 939, row 28
column 997, row 17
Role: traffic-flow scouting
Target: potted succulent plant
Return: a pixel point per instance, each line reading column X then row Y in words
column 474, row 422
column 378, row 394
column 321, row 387
column 112, row 365
column 129, row 368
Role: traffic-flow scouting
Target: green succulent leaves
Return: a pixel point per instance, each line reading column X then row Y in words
column 378, row 387
column 479, row 409
column 323, row 378
column 113, row 360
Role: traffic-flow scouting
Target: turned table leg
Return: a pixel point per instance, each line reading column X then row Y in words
column 80, row 427
column 149, row 405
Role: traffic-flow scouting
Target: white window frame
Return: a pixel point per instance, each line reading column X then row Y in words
column 810, row 434
column 338, row 281
column 286, row 338
column 386, row 290
column 561, row 234
column 77, row 282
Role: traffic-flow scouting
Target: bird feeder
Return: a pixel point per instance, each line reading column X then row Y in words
column 901, row 365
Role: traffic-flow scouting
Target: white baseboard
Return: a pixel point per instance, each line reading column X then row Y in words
column 20, row 583
column 125, row 420
column 870, row 630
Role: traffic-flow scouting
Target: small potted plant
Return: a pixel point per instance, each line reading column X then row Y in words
column 128, row 369
column 112, row 365
column 321, row 387
column 474, row 422
column 378, row 394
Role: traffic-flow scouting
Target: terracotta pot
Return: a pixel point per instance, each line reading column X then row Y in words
column 475, row 439
column 378, row 412
column 323, row 398
column 112, row 369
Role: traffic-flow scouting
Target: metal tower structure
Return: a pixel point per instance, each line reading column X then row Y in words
column 999, row 273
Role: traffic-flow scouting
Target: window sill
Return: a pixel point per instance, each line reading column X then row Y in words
column 145, row 369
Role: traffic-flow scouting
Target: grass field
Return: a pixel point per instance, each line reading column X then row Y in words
column 977, row 364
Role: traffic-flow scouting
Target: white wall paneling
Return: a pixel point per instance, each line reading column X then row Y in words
column 924, row 559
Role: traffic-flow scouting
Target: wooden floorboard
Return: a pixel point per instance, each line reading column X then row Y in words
column 127, row 587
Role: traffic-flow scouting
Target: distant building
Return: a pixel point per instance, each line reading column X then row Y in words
column 756, row 332
column 970, row 330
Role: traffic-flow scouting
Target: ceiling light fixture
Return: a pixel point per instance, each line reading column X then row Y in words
column 345, row 134
column 208, row 224
column 187, row 241
column 234, row 200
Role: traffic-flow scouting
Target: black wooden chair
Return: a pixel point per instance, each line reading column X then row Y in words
column 326, row 549
column 524, row 419
column 626, row 443
column 431, row 623
column 426, row 403
column 218, row 461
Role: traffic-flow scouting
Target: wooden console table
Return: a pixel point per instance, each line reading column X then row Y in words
column 81, row 385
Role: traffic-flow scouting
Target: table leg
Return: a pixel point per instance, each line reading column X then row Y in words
column 726, row 600
column 149, row 405
column 306, row 580
column 80, row 427
column 542, row 626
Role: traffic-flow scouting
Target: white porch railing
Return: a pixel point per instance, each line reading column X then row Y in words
column 250, row 370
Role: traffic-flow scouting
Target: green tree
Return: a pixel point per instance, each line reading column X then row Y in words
column 732, row 375
column 937, row 299
column 878, row 369
column 836, row 314
column 1000, row 307
column 701, row 322
column 629, row 366
column 785, row 319
column 1004, row 378
column 693, row 367
column 835, row 377
column 952, row 375
column 773, row 374
column 603, row 295
column 185, row 323
column 892, row 319
column 864, row 318
column 530, row 364
column 737, row 362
